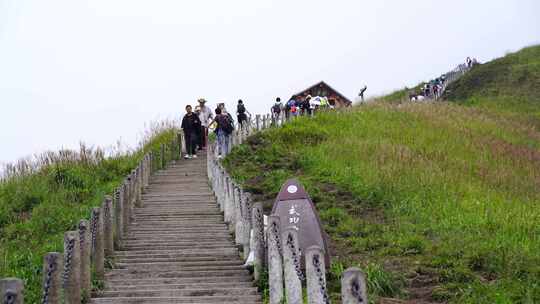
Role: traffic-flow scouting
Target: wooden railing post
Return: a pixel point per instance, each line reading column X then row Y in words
column 315, row 276
column 108, row 240
column 275, row 265
column 52, row 278
column 97, row 241
column 258, row 239
column 72, row 268
column 11, row 291
column 353, row 287
column 85, row 241
column 292, row 266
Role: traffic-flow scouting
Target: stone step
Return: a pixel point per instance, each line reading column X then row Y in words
column 176, row 267
column 212, row 218
column 184, row 224
column 190, row 234
column 175, row 222
column 237, row 278
column 171, row 265
column 254, row 299
column 188, row 273
column 173, row 254
column 179, row 236
column 178, row 207
column 193, row 285
column 178, row 243
column 157, row 228
column 179, row 227
column 185, row 259
column 180, row 293
column 180, row 211
column 179, row 199
column 178, row 194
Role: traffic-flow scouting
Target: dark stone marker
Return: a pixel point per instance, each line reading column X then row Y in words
column 295, row 209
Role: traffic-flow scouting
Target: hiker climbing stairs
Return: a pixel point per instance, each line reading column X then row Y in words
column 178, row 248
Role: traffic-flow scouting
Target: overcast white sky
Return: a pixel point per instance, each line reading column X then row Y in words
column 97, row 71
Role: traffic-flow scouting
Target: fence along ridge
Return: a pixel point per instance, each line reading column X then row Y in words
column 274, row 249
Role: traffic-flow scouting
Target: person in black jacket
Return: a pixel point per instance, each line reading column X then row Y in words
column 191, row 124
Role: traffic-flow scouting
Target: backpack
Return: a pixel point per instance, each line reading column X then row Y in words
column 241, row 109
column 225, row 124
column 276, row 108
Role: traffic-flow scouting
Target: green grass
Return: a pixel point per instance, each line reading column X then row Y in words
column 436, row 202
column 438, row 192
column 38, row 205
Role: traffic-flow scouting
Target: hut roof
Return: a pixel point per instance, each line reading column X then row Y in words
column 318, row 84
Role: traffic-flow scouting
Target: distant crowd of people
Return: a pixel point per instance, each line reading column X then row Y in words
column 434, row 88
column 299, row 105
column 198, row 122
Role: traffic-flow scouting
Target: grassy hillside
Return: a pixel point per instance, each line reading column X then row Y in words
column 41, row 200
column 438, row 202
column 509, row 85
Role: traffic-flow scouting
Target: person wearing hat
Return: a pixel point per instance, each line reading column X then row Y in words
column 205, row 116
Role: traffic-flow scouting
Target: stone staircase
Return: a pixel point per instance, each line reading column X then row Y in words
column 178, row 249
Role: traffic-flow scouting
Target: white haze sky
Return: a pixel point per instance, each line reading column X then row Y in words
column 98, row 71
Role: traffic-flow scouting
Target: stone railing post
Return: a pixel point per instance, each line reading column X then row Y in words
column 258, row 122
column 52, row 278
column 247, row 214
column 131, row 196
column 162, row 154
column 275, row 265
column 258, row 239
column 227, row 200
column 85, row 241
column 292, row 266
column 220, row 188
column 148, row 171
column 183, row 148
column 238, row 221
column 108, row 240
column 315, row 276
column 118, row 217
column 353, row 287
column 138, row 188
column 11, row 291
column 234, row 204
column 179, row 139
column 98, row 253
column 72, row 268
column 264, row 122
column 125, row 206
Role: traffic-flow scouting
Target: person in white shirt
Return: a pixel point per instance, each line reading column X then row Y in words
column 205, row 116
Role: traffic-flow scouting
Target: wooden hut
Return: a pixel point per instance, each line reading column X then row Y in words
column 335, row 98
